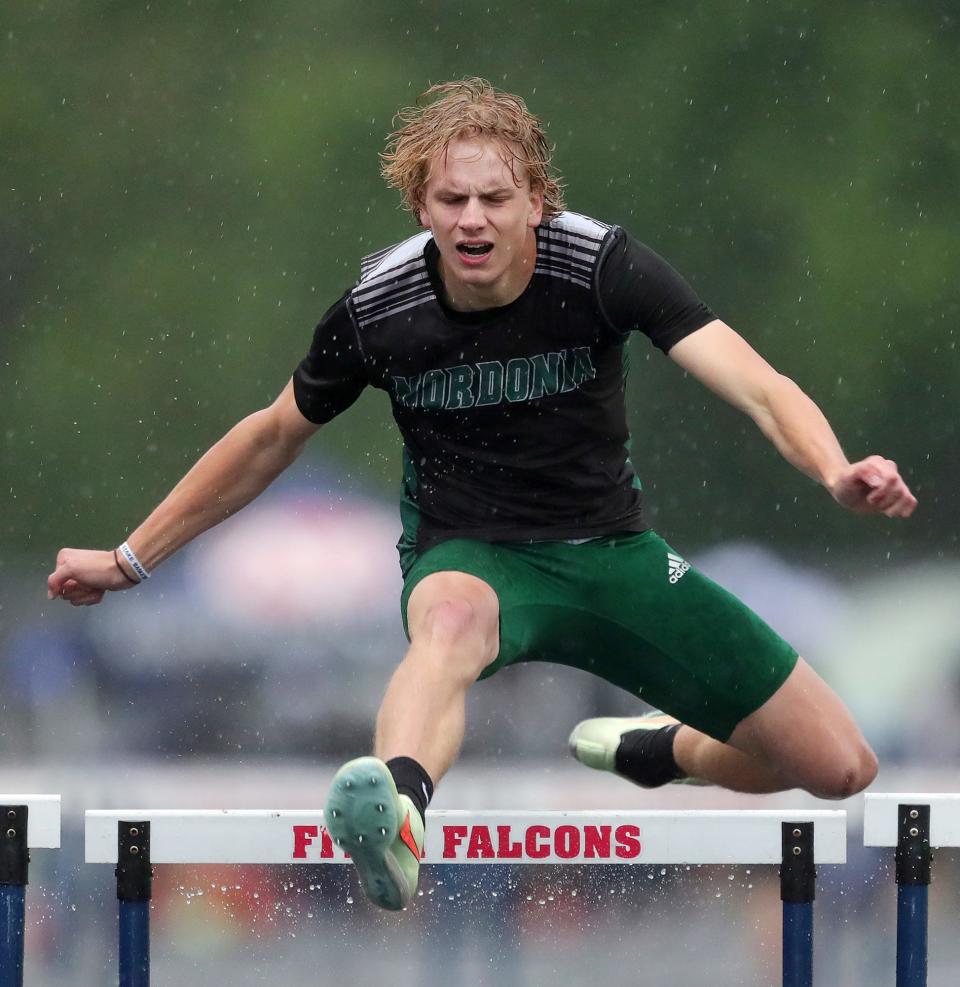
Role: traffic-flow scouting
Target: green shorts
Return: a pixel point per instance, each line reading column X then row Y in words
column 629, row 609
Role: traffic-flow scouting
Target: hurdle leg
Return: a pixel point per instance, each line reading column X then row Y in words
column 797, row 889
column 14, row 863
column 12, row 911
column 134, row 891
column 913, row 880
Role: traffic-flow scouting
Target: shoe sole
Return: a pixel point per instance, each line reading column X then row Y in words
column 362, row 816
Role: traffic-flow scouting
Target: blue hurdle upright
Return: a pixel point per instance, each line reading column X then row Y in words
column 913, row 824
column 136, row 839
column 26, row 822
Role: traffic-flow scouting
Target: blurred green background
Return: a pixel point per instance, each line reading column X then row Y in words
column 188, row 186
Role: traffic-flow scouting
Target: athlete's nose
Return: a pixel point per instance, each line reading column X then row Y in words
column 472, row 216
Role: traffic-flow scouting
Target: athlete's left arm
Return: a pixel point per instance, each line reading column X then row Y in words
column 723, row 360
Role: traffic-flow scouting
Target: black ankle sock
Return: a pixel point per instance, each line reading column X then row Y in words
column 411, row 780
column 646, row 756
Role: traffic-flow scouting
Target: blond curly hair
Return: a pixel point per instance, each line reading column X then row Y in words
column 468, row 108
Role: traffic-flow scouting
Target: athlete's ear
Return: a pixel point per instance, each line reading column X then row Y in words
column 535, row 215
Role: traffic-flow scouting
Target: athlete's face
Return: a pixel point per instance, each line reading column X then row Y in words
column 482, row 221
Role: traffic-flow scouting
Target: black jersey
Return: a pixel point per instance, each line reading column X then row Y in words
column 513, row 418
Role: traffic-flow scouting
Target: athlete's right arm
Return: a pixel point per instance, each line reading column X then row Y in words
column 226, row 478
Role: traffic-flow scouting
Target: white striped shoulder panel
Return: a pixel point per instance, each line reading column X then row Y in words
column 376, row 263
column 568, row 247
column 392, row 280
column 577, row 224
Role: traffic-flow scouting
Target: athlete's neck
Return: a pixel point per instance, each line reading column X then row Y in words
column 464, row 297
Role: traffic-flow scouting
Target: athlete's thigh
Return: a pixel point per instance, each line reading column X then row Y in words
column 804, row 729
column 527, row 580
column 699, row 652
column 461, row 573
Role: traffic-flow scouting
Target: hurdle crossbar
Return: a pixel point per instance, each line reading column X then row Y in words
column 135, row 839
column 240, row 836
column 881, row 818
column 26, row 822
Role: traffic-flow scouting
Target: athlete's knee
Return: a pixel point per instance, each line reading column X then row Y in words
column 452, row 621
column 461, row 633
column 848, row 773
column 863, row 769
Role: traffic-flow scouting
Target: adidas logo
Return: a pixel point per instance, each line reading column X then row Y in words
column 676, row 567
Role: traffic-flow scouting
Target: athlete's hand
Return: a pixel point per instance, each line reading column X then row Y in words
column 873, row 486
column 82, row 576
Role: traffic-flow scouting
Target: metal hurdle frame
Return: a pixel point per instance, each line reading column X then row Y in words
column 136, row 839
column 913, row 824
column 28, row 822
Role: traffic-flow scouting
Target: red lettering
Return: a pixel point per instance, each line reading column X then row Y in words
column 596, row 842
column 481, row 846
column 628, row 842
column 535, row 850
column 303, row 836
column 452, row 838
column 566, row 842
column 505, row 849
column 326, row 846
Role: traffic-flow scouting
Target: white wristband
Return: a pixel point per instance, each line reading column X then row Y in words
column 127, row 552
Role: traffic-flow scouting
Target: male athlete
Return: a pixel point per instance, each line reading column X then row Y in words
column 498, row 333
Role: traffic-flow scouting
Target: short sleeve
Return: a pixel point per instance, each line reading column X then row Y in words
column 639, row 290
column 331, row 376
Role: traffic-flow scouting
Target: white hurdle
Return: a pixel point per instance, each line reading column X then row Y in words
column 43, row 819
column 135, row 839
column 913, row 823
column 26, row 822
column 881, row 818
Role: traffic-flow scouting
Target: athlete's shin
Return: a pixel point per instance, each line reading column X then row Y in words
column 423, row 714
column 453, row 624
column 700, row 756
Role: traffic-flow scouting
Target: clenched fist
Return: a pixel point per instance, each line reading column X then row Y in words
column 873, row 486
column 83, row 575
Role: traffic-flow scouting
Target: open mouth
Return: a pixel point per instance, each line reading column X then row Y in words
column 474, row 249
